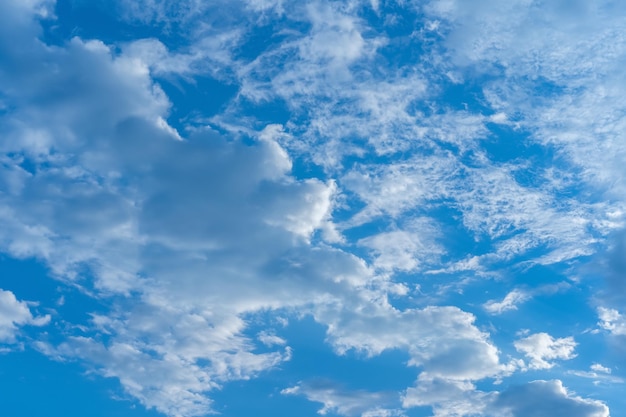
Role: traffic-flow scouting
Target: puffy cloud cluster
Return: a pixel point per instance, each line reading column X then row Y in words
column 183, row 236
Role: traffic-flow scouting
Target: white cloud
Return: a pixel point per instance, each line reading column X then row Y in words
column 407, row 249
column 533, row 399
column 442, row 341
column 189, row 235
column 612, row 320
column 519, row 296
column 447, row 398
column 510, row 302
column 15, row 314
column 194, row 234
column 599, row 373
column 540, row 348
column 344, row 402
column 545, row 398
column 395, row 188
column 270, row 339
column 558, row 70
column 600, row 368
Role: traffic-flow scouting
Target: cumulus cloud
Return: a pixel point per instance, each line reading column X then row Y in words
column 540, row 348
column 447, row 398
column 125, row 209
column 546, row 398
column 612, row 321
column 533, row 399
column 189, row 233
column 442, row 341
column 15, row 314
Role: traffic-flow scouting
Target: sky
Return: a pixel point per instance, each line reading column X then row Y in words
column 357, row 208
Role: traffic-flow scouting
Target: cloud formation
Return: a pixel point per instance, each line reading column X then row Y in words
column 544, row 398
column 379, row 168
column 15, row 314
column 539, row 348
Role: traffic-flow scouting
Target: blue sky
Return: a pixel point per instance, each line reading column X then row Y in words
column 375, row 208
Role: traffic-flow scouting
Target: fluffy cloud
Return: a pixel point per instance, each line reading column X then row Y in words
column 533, row 399
column 188, row 234
column 540, row 348
column 447, row 398
column 14, row 314
column 442, row 341
column 129, row 211
column 546, row 398
column 612, row 320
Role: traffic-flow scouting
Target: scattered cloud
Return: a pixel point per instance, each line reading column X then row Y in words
column 612, row 321
column 448, row 398
column 510, row 302
column 367, row 149
column 15, row 314
column 599, row 374
column 599, row 368
column 540, row 348
column 338, row 400
column 543, row 398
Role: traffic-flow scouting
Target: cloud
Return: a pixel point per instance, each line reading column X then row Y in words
column 15, row 314
column 599, row 373
column 188, row 234
column 549, row 58
column 546, row 398
column 180, row 229
column 519, row 296
column 447, row 398
column 539, row 348
column 533, row 399
column 612, row 321
column 600, row 368
column 442, row 341
column 510, row 302
column 407, row 249
column 338, row 400
column 182, row 237
column 176, row 217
